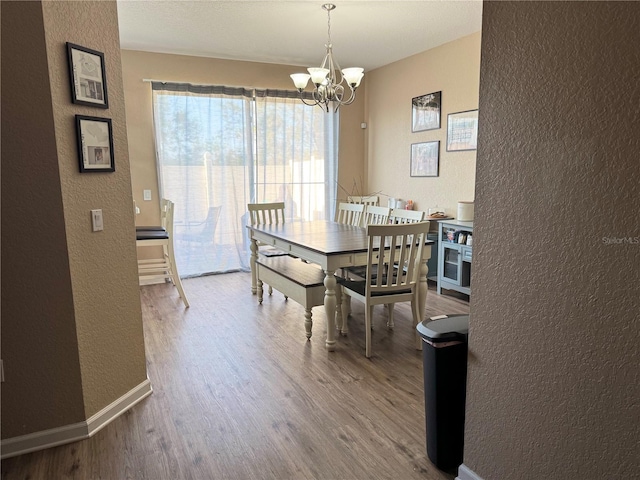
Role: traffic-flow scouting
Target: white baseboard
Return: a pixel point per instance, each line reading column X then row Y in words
column 32, row 442
column 465, row 473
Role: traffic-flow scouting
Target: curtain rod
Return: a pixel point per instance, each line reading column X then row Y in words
column 150, row 80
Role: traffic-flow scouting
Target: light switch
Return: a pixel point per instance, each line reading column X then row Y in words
column 146, row 195
column 96, row 220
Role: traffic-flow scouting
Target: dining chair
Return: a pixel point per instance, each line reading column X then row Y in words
column 374, row 215
column 350, row 213
column 389, row 245
column 400, row 215
column 267, row 214
column 163, row 268
column 365, row 200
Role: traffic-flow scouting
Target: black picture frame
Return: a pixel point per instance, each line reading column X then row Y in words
column 426, row 112
column 88, row 76
column 95, row 144
column 462, row 131
column 425, row 159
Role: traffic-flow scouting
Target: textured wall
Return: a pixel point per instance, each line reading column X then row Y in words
column 554, row 373
column 103, row 264
column 72, row 325
column 199, row 70
column 452, row 68
column 42, row 387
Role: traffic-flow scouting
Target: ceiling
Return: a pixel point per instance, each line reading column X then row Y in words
column 366, row 34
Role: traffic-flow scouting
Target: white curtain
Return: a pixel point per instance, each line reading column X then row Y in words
column 219, row 148
column 295, row 157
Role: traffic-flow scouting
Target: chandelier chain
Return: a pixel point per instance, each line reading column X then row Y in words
column 329, row 25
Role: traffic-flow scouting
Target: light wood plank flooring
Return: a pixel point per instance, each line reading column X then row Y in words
column 239, row 393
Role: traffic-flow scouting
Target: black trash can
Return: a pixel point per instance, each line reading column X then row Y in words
column 444, row 354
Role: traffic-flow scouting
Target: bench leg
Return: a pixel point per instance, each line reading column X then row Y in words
column 260, row 291
column 308, row 323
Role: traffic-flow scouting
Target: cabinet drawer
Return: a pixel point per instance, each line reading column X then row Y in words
column 466, row 254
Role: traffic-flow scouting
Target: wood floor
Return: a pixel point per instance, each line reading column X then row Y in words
column 239, row 393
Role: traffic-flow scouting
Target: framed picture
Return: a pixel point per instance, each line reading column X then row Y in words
column 95, row 144
column 88, row 79
column 462, row 131
column 425, row 112
column 425, row 159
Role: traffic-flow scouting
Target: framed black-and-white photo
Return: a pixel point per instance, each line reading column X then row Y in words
column 88, row 78
column 95, row 144
column 425, row 159
column 462, row 131
column 425, row 112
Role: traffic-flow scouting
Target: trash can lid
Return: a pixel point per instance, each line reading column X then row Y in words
column 445, row 328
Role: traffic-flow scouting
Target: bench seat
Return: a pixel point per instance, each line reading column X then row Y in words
column 295, row 279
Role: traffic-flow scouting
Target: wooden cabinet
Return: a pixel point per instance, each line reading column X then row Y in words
column 454, row 258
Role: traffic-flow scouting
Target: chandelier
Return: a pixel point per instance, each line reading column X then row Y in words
column 329, row 78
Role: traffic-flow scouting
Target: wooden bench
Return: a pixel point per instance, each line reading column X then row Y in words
column 303, row 282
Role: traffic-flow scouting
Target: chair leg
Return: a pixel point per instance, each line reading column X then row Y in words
column 390, row 306
column 346, row 301
column 416, row 319
column 175, row 277
column 260, row 291
column 368, row 314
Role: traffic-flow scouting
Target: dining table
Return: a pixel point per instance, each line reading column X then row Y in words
column 332, row 246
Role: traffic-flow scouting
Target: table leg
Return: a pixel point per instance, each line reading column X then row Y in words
column 252, row 263
column 330, row 308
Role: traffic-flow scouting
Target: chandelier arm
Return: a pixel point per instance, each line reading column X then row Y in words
column 308, row 104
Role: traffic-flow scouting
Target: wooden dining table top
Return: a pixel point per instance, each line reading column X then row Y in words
column 327, row 238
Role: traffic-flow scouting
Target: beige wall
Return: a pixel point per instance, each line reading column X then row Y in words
column 72, row 338
column 210, row 71
column 452, row 68
column 554, row 377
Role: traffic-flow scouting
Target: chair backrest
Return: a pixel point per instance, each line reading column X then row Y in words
column 374, row 215
column 394, row 245
column 166, row 215
column 266, row 213
column 211, row 222
column 365, row 200
column 350, row 213
column 166, row 206
column 400, row 215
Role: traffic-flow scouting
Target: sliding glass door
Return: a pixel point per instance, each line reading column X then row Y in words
column 219, row 148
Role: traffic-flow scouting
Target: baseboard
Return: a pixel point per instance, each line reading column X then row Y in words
column 32, row 442
column 465, row 473
column 96, row 422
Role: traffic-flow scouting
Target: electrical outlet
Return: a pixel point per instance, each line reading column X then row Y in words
column 146, row 195
column 96, row 220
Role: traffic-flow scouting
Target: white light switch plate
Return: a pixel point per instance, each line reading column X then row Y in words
column 146, row 195
column 96, row 220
